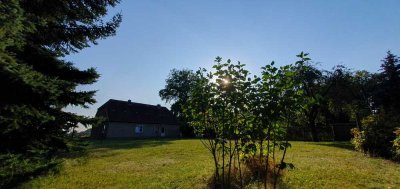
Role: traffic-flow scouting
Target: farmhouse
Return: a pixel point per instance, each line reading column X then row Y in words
column 127, row 119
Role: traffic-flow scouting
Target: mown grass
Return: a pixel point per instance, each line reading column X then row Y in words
column 337, row 165
column 171, row 163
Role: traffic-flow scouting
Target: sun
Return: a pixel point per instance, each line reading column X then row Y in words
column 225, row 81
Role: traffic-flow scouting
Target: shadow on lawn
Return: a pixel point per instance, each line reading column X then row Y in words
column 115, row 144
column 344, row 145
column 106, row 148
column 81, row 150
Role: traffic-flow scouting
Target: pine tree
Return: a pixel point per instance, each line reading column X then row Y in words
column 389, row 89
column 37, row 83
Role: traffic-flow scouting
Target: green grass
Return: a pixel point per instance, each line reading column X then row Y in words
column 337, row 165
column 186, row 164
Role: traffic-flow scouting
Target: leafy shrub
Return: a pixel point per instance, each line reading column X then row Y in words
column 376, row 137
column 396, row 144
column 358, row 139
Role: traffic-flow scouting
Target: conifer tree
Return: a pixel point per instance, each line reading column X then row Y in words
column 389, row 89
column 37, row 82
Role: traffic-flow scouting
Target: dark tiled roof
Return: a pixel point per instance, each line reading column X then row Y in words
column 126, row 111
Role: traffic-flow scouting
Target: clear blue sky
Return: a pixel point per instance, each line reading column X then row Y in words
column 157, row 36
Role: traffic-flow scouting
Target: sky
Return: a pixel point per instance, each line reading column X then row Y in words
column 159, row 35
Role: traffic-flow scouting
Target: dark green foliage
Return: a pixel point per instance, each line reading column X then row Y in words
column 388, row 90
column 363, row 87
column 38, row 84
column 177, row 88
column 244, row 120
column 335, row 100
column 316, row 86
column 378, row 135
column 396, row 145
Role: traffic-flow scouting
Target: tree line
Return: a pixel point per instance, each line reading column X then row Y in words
column 243, row 119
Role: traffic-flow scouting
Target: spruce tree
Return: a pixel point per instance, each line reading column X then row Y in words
column 37, row 82
column 389, row 88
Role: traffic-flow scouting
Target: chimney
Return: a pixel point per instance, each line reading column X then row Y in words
column 129, row 101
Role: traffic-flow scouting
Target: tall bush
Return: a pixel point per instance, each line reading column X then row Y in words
column 377, row 136
column 243, row 120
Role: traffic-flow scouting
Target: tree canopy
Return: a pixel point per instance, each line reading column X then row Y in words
column 177, row 88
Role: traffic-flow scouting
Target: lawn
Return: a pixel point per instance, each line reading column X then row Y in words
column 186, row 164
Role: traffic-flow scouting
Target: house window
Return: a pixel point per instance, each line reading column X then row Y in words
column 139, row 129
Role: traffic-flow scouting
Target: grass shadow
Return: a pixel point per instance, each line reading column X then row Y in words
column 115, row 144
column 344, row 145
column 79, row 154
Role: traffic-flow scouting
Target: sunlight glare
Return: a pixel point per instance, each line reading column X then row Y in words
column 225, row 81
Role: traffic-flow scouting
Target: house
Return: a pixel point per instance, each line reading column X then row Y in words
column 127, row 119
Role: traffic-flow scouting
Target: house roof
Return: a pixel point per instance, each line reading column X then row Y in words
column 132, row 112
